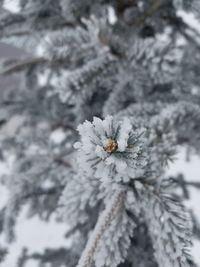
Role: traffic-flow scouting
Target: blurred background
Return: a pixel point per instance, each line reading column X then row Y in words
column 32, row 234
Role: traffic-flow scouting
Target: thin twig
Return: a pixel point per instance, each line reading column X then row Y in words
column 181, row 181
column 21, row 64
column 103, row 223
column 193, row 184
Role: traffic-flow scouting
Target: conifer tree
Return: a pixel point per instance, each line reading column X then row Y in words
column 108, row 92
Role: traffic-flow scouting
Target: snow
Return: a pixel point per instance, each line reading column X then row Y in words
column 43, row 77
column 6, row 166
column 111, row 15
column 58, row 136
column 10, row 128
column 190, row 19
column 3, row 196
column 12, row 5
column 37, row 235
column 124, row 134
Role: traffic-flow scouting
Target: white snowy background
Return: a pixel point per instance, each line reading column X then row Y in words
column 37, row 235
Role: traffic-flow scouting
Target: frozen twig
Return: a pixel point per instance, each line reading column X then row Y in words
column 19, row 65
column 103, row 223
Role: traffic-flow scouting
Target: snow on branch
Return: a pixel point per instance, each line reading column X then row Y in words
column 103, row 223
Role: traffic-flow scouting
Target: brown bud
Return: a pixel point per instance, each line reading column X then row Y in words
column 110, row 145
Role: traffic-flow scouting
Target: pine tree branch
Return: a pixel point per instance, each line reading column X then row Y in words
column 103, row 223
column 175, row 226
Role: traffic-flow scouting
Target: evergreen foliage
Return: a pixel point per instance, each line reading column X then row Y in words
column 109, row 90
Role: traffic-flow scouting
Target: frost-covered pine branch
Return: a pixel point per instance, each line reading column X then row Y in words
column 170, row 228
column 113, row 144
column 107, row 94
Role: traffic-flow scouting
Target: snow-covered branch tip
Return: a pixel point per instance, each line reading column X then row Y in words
column 103, row 223
column 111, row 150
